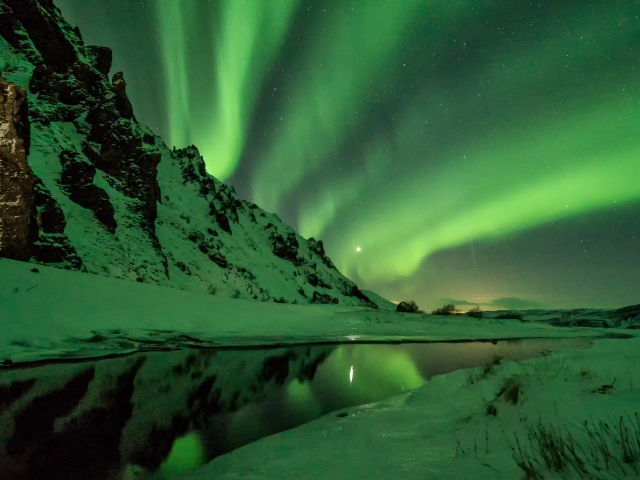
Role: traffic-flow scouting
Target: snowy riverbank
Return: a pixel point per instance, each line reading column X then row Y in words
column 460, row 425
column 55, row 313
column 467, row 424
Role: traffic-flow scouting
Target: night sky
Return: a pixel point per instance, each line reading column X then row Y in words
column 481, row 151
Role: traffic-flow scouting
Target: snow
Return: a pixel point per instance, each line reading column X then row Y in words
column 441, row 430
column 56, row 313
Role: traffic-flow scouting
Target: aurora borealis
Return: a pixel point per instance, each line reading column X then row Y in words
column 472, row 150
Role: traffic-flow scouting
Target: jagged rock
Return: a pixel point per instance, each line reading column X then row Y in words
column 355, row 292
column 323, row 298
column 18, row 228
column 102, row 58
column 223, row 221
column 77, row 180
column 43, row 31
column 286, row 248
column 166, row 204
column 52, row 245
column 123, row 156
column 119, row 87
column 317, row 247
column 194, row 170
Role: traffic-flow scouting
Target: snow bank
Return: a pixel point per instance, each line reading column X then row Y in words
column 57, row 313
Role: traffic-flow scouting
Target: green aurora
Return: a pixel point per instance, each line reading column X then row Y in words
column 411, row 129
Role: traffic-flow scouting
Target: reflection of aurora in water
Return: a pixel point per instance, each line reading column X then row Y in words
column 166, row 412
column 359, row 374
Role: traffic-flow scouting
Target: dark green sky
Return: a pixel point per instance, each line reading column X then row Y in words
column 472, row 150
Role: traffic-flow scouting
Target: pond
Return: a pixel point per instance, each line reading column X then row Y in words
column 156, row 414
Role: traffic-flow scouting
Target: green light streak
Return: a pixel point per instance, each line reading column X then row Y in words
column 172, row 35
column 583, row 162
column 484, row 166
column 246, row 41
column 535, row 125
column 249, row 38
column 353, row 48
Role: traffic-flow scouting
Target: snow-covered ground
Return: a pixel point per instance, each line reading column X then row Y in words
column 446, row 429
column 53, row 313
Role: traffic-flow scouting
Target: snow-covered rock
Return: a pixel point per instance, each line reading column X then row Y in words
column 112, row 199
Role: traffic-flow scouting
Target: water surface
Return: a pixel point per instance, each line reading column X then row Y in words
column 156, row 414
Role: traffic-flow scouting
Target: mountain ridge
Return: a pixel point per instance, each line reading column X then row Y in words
column 110, row 198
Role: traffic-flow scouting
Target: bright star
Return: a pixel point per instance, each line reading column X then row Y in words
column 357, row 249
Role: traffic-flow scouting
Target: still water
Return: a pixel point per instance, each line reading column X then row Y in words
column 153, row 415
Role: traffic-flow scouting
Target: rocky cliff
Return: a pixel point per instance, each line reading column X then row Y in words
column 100, row 193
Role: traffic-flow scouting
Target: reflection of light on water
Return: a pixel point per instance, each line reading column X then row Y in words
column 353, row 337
column 186, row 453
column 351, row 375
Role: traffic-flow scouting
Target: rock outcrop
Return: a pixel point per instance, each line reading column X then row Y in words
column 101, row 193
column 18, row 228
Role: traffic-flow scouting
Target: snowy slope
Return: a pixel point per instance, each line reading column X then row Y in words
column 112, row 199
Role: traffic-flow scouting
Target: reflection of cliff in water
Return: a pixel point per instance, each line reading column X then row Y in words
column 87, row 420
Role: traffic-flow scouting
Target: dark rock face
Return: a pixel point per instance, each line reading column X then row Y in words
column 30, row 19
column 355, row 292
column 18, row 228
column 223, row 221
column 194, row 171
column 323, row 298
column 220, row 259
column 77, row 180
column 102, row 58
column 317, row 247
column 90, row 151
column 286, row 248
column 119, row 87
column 52, row 245
column 122, row 154
column 312, row 279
